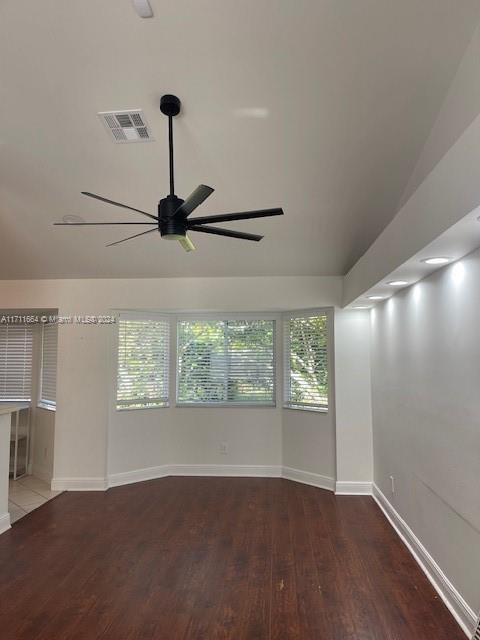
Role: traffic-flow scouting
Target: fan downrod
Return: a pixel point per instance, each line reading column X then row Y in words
column 170, row 105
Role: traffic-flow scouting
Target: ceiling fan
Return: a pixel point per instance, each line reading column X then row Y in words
column 173, row 220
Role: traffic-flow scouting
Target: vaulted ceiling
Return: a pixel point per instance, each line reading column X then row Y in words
column 348, row 92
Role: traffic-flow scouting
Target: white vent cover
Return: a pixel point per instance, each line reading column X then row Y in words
column 126, row 126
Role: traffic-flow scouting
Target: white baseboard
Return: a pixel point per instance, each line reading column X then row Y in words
column 222, row 470
column 462, row 612
column 217, row 470
column 307, row 477
column 225, row 470
column 138, row 475
column 79, row 484
column 353, row 488
column 41, row 472
column 4, row 522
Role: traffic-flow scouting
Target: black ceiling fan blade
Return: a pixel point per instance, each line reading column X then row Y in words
column 217, row 231
column 242, row 215
column 130, row 237
column 199, row 195
column 89, row 224
column 117, row 204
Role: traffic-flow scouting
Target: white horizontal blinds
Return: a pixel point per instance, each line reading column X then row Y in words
column 48, row 388
column 226, row 362
column 251, row 362
column 143, row 363
column 16, row 361
column 306, row 362
column 201, row 362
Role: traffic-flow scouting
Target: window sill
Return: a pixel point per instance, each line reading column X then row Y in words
column 161, row 406
column 224, row 405
column 312, row 409
column 48, row 407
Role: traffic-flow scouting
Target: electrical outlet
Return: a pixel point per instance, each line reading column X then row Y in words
column 224, row 448
column 392, row 482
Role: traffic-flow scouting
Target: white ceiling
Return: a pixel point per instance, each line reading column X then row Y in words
column 352, row 88
column 458, row 241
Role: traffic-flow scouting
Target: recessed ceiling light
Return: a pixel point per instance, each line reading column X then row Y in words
column 439, row 260
column 360, row 307
column 70, row 219
column 397, row 283
column 375, row 297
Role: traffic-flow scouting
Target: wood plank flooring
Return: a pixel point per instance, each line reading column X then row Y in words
column 213, row 558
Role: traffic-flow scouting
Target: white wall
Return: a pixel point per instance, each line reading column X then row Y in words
column 149, row 438
column 443, row 187
column 254, row 436
column 43, row 439
column 309, row 436
column 309, row 441
column 353, row 401
column 459, row 109
column 426, row 416
column 93, row 441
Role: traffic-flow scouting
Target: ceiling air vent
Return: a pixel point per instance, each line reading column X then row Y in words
column 126, row 126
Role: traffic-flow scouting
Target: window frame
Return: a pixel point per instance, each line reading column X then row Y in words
column 139, row 316
column 279, row 356
column 42, row 403
column 306, row 313
column 215, row 317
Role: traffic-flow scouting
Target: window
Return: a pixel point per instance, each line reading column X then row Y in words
column 143, row 362
column 306, row 370
column 228, row 362
column 48, row 376
column 16, row 362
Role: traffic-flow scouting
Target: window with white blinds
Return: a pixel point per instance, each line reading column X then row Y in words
column 16, row 362
column 143, row 362
column 48, row 376
column 226, row 362
column 306, row 362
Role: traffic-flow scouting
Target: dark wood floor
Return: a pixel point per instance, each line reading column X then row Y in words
column 208, row 558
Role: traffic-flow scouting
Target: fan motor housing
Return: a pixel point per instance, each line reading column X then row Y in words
column 168, row 224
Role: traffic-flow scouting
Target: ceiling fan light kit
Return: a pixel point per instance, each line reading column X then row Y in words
column 143, row 8
column 172, row 220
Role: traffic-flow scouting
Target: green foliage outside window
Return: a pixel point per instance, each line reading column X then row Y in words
column 307, row 382
column 225, row 361
column 142, row 379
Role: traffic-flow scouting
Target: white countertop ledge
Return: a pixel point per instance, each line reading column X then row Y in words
column 10, row 407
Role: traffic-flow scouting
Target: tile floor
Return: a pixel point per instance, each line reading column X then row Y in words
column 26, row 494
